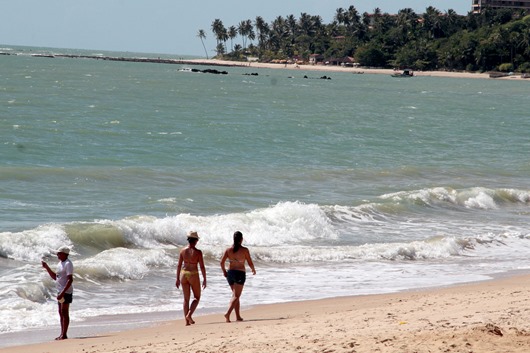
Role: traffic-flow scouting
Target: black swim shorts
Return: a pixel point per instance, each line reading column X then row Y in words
column 68, row 298
column 235, row 276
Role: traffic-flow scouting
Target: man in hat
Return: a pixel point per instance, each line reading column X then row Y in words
column 63, row 277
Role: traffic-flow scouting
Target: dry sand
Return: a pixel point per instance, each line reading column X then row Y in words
column 331, row 68
column 485, row 317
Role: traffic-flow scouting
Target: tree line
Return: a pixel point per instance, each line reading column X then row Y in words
column 489, row 40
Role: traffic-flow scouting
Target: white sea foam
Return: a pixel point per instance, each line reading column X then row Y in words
column 122, row 264
column 307, row 226
column 33, row 245
column 478, row 197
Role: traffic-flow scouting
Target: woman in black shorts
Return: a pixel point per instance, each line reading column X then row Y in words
column 236, row 255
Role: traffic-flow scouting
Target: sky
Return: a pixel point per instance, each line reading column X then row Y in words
column 165, row 26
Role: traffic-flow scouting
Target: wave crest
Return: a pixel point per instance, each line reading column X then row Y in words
column 472, row 198
column 121, row 264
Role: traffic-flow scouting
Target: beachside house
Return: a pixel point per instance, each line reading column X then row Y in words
column 344, row 61
column 315, row 59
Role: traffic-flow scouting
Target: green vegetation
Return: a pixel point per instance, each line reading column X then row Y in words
column 491, row 40
column 202, row 35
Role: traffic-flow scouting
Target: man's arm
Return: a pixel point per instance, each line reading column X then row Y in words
column 49, row 270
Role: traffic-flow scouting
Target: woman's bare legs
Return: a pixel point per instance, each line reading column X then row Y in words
column 186, row 303
column 195, row 284
column 237, row 289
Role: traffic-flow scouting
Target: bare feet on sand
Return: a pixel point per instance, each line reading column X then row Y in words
column 227, row 317
column 189, row 321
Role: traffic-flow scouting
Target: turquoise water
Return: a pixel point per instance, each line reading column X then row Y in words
column 128, row 131
column 388, row 183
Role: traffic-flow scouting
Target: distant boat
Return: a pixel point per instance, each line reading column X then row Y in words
column 405, row 73
column 496, row 74
column 186, row 69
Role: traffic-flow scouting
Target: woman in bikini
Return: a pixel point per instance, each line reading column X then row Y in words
column 236, row 274
column 190, row 259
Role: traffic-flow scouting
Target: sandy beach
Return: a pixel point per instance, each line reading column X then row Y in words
column 491, row 316
column 331, row 68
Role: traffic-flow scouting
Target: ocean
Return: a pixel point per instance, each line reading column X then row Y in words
column 353, row 185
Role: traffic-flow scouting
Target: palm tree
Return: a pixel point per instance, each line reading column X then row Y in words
column 432, row 22
column 452, row 22
column 250, row 31
column 306, row 35
column 514, row 39
column 202, row 35
column 406, row 23
column 292, row 28
column 232, row 33
column 220, row 49
column 279, row 34
column 525, row 41
column 339, row 16
column 242, row 30
column 246, row 30
column 217, row 28
column 263, row 30
column 306, row 25
column 377, row 21
column 220, row 35
column 353, row 18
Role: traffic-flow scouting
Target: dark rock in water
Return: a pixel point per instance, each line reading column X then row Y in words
column 214, row 71
column 210, row 71
column 321, row 78
column 251, row 74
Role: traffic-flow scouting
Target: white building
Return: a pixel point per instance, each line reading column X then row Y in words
column 478, row 5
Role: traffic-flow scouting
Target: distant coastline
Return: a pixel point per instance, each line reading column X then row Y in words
column 335, row 68
column 323, row 68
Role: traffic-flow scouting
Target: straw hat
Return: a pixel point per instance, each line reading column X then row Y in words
column 64, row 250
column 193, row 235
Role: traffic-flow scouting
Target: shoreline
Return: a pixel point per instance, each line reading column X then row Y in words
column 353, row 70
column 485, row 316
column 276, row 66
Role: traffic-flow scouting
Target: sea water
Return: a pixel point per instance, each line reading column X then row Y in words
column 358, row 184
